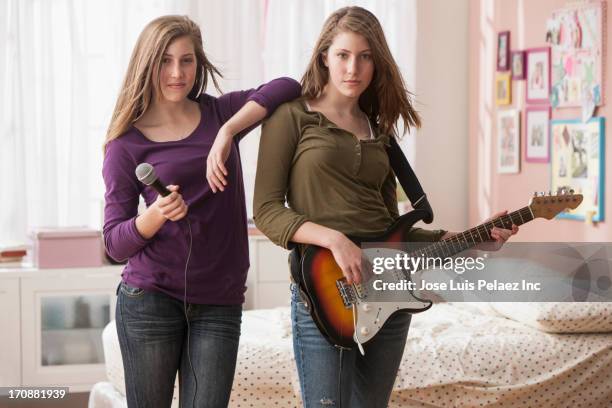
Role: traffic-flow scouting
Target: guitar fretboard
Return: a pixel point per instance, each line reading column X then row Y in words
column 474, row 236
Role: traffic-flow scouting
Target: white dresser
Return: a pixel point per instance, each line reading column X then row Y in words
column 51, row 320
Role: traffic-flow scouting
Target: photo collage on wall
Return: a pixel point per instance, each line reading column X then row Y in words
column 565, row 72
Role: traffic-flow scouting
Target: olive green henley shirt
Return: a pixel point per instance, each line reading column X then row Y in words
column 326, row 175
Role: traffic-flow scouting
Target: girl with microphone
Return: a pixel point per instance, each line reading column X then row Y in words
column 164, row 117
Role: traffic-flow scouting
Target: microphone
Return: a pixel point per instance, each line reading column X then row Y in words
column 145, row 173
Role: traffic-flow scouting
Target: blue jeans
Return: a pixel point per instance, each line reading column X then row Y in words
column 152, row 331
column 334, row 377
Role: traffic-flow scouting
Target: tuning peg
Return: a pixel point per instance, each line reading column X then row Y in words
column 572, row 191
column 535, row 193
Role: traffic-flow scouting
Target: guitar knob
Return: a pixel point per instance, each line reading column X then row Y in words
column 365, row 331
column 366, row 307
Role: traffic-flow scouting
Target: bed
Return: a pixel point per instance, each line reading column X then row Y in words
column 457, row 355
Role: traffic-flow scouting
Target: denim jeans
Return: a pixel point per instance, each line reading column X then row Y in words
column 152, row 330
column 334, row 377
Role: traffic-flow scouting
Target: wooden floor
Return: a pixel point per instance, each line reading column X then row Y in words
column 76, row 400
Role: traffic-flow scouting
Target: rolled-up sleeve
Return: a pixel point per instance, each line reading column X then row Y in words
column 269, row 95
column 279, row 140
column 121, row 238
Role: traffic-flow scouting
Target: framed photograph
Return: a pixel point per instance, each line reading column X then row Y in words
column 508, row 141
column 503, row 88
column 538, row 75
column 577, row 163
column 537, row 134
column 503, row 51
column 518, row 64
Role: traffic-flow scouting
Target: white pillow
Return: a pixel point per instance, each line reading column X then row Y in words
column 560, row 317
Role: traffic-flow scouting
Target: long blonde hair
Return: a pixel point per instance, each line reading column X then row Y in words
column 386, row 98
column 142, row 76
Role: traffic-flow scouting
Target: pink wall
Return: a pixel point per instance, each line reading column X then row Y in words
column 488, row 191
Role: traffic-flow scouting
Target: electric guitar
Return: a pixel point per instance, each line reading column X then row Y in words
column 349, row 314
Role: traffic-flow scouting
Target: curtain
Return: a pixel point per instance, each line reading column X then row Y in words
column 62, row 63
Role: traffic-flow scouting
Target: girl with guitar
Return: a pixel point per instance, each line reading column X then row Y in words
column 325, row 153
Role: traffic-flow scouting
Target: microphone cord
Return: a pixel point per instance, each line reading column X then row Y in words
column 195, row 378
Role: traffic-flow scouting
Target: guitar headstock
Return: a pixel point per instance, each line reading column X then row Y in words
column 548, row 206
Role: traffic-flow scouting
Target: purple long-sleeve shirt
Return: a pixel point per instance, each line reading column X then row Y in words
column 220, row 257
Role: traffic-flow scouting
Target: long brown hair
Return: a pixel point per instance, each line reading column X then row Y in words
column 386, row 98
column 142, row 76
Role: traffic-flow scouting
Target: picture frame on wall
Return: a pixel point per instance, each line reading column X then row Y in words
column 503, row 88
column 578, row 163
column 518, row 64
column 537, row 63
column 503, row 51
column 537, row 134
column 508, row 141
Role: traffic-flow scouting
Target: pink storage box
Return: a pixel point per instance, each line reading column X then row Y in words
column 67, row 247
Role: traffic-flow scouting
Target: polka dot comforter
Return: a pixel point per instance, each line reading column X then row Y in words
column 457, row 355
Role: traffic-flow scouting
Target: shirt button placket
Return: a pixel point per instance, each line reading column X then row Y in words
column 357, row 164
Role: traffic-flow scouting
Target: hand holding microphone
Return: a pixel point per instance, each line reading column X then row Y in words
column 169, row 203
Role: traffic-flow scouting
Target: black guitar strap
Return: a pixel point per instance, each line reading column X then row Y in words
column 408, row 180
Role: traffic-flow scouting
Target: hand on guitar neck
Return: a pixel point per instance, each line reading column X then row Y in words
column 499, row 235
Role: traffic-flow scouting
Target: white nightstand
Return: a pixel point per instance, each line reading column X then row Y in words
column 52, row 324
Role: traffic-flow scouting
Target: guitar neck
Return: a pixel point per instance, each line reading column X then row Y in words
column 474, row 236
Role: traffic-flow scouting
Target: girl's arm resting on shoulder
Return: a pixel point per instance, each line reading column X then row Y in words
column 268, row 96
column 251, row 113
column 241, row 112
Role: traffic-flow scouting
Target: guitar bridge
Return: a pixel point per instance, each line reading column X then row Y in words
column 346, row 293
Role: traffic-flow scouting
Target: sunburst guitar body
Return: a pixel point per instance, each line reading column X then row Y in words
column 350, row 314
